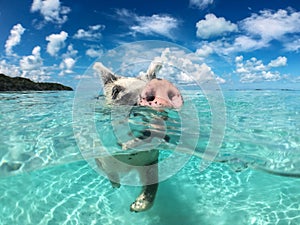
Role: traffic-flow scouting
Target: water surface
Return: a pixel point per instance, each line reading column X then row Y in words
column 44, row 178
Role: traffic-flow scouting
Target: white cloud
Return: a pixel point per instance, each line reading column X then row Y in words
column 156, row 24
column 293, row 46
column 190, row 70
column 163, row 25
column 9, row 70
column 92, row 34
column 36, row 75
column 264, row 76
column 245, row 43
column 270, row 25
column 94, row 52
column 220, row 80
column 179, row 65
column 124, row 14
column 14, row 38
column 239, row 59
column 71, row 52
column 32, row 62
column 213, row 26
column 255, row 32
column 66, row 66
column 201, row 4
column 226, row 47
column 79, row 77
column 51, row 10
column 254, row 70
column 56, row 42
column 280, row 61
column 68, row 62
column 204, row 51
column 271, row 76
column 31, row 66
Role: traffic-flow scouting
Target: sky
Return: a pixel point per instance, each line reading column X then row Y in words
column 246, row 44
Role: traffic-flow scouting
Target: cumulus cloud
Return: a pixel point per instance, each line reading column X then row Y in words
column 68, row 61
column 14, row 38
column 67, row 65
column 71, row 52
column 255, row 32
column 270, row 25
column 254, row 70
column 31, row 66
column 32, row 62
column 226, row 47
column 92, row 34
column 245, row 43
column 94, row 52
column 51, row 10
column 56, row 42
column 293, row 46
column 201, row 4
column 204, row 51
column 280, row 61
column 213, row 26
column 179, row 65
column 163, row 25
column 190, row 71
column 9, row 70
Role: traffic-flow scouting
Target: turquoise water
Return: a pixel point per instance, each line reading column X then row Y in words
column 44, row 178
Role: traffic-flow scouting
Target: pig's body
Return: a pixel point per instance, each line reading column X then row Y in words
column 145, row 90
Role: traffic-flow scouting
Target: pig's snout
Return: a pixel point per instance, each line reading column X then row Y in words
column 160, row 93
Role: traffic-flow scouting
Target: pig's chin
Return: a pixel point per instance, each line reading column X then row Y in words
column 160, row 93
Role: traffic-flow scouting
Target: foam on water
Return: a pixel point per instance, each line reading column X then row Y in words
column 262, row 132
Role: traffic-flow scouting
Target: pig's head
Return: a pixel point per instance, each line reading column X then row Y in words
column 144, row 90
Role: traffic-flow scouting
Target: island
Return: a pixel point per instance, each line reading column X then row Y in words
column 24, row 84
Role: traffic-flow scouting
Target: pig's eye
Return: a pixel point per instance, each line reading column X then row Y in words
column 115, row 91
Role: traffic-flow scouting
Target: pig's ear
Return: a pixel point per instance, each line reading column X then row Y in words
column 106, row 75
column 151, row 71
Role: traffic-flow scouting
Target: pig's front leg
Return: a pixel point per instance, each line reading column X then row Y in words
column 140, row 141
column 157, row 131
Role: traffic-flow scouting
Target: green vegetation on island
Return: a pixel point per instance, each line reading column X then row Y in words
column 23, row 84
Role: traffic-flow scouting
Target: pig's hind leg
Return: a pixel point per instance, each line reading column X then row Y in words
column 112, row 176
column 149, row 177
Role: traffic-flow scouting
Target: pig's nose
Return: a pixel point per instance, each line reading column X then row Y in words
column 160, row 93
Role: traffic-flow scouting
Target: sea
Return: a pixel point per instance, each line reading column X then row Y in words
column 224, row 159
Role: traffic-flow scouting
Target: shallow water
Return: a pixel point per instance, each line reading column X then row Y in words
column 44, row 178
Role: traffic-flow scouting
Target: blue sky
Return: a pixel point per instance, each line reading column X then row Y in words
column 247, row 44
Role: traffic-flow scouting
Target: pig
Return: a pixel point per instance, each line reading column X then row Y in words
column 144, row 90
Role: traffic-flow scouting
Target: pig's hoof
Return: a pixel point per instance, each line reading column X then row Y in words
column 130, row 144
column 125, row 146
column 141, row 204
